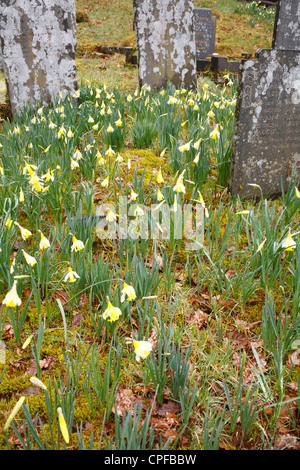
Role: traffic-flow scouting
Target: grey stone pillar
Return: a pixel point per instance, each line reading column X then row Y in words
column 38, row 39
column 165, row 40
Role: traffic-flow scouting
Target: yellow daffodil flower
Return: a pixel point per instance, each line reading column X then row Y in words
column 44, row 243
column 159, row 178
column 179, row 186
column 289, row 243
column 26, row 343
column 160, row 196
column 29, row 259
column 8, row 223
column 110, row 152
column 13, row 413
column 63, row 425
column 71, row 276
column 24, row 232
column 261, row 246
column 38, row 383
column 215, row 134
column 142, row 349
column 74, row 164
column 77, row 244
column 12, row 299
column 127, row 291
column 105, row 182
column 111, row 313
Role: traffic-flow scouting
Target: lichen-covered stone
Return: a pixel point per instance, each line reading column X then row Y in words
column 286, row 29
column 266, row 146
column 38, row 40
column 266, row 149
column 165, row 42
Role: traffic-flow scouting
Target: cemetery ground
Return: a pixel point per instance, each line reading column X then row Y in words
column 151, row 338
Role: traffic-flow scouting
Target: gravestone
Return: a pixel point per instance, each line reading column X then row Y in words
column 205, row 32
column 286, row 29
column 266, row 145
column 165, row 41
column 38, row 39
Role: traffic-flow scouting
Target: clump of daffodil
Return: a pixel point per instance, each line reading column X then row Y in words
column 12, row 298
column 289, row 243
column 127, row 291
column 111, row 313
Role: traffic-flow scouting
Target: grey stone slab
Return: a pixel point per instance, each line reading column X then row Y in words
column 166, row 45
column 286, row 35
column 38, row 40
column 205, row 32
column 266, row 147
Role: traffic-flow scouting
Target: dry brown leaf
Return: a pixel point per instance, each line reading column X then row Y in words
column 77, row 318
column 293, row 359
column 125, row 400
column 198, row 318
column 46, row 363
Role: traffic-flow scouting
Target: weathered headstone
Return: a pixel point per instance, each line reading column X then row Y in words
column 205, row 32
column 266, row 146
column 165, row 40
column 38, row 40
column 286, row 29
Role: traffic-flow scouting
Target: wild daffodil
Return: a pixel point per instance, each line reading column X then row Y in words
column 29, row 259
column 111, row 313
column 12, row 298
column 13, row 413
column 24, row 232
column 159, row 177
column 71, row 276
column 142, row 349
column 44, row 242
column 289, row 243
column 77, row 245
column 179, row 186
column 63, row 425
column 127, row 291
